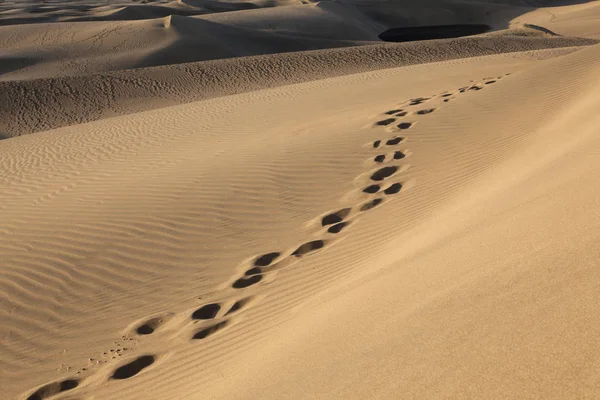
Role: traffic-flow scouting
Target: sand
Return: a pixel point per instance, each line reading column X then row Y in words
column 206, row 200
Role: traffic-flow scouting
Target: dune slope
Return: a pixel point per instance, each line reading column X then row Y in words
column 299, row 233
column 41, row 104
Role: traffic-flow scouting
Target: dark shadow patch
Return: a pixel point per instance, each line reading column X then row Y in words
column 266, row 259
column 376, row 143
column 379, row 158
column 204, row 333
column 53, row 388
column 245, row 282
column 337, row 228
column 149, row 326
column 208, row 311
column 426, row 111
column 385, row 122
column 372, row 189
column 393, row 111
column 412, row 33
column 371, row 204
column 402, row 114
column 308, row 248
column 398, row 155
column 393, row 189
column 540, row 29
column 404, row 125
column 238, row 305
column 383, row 173
column 133, row 368
column 417, row 101
column 253, row 271
column 13, row 64
column 335, row 217
column 394, row 141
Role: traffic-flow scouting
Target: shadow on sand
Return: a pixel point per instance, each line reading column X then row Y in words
column 411, row 33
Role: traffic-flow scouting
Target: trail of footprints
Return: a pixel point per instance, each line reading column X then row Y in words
column 208, row 319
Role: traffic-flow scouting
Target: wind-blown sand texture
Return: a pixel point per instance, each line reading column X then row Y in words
column 242, row 200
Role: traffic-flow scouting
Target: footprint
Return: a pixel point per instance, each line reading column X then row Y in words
column 337, row 228
column 394, row 141
column 254, row 274
column 371, row 204
column 393, row 111
column 393, row 189
column 149, row 326
column 426, row 111
column 253, row 271
column 418, row 100
column 376, row 144
column 238, row 305
column 372, row 189
column 404, row 125
column 266, row 259
column 475, row 88
column 246, row 282
column 381, row 158
column 447, row 95
column 134, row 367
column 385, row 122
column 398, row 155
column 335, row 217
column 53, row 388
column 308, row 248
column 208, row 311
column 402, row 114
column 205, row 332
column 490, row 82
column 384, row 173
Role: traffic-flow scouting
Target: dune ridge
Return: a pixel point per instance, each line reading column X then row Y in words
column 42, row 104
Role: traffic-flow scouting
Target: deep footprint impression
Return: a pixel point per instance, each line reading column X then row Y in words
column 208, row 311
column 308, row 248
column 133, row 368
column 384, row 173
column 149, row 326
column 204, row 333
column 335, row 217
column 242, row 283
column 53, row 388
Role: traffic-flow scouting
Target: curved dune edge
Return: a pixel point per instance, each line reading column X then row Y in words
column 43, row 104
column 144, row 237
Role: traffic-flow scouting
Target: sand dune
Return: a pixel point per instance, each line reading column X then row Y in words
column 37, row 105
column 392, row 220
column 82, row 48
column 61, row 11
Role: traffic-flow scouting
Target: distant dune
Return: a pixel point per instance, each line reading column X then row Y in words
column 40, row 104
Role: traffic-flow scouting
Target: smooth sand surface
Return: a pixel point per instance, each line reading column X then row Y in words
column 345, row 221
